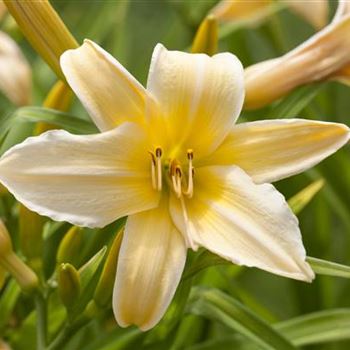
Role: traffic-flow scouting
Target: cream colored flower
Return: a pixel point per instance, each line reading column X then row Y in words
column 326, row 55
column 172, row 159
column 15, row 73
column 315, row 11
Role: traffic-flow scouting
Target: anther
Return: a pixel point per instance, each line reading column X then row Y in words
column 189, row 191
column 159, row 168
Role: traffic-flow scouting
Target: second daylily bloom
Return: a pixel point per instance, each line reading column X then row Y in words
column 254, row 11
column 172, row 159
column 15, row 73
column 326, row 55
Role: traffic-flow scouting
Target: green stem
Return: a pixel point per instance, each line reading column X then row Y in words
column 67, row 332
column 41, row 322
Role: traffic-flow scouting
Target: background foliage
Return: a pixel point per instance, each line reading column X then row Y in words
column 222, row 306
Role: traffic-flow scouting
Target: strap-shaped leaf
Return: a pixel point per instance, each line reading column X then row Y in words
column 216, row 305
column 318, row 327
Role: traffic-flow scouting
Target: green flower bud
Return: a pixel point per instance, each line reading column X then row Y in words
column 68, row 251
column 104, row 289
column 206, row 39
column 25, row 277
column 68, row 284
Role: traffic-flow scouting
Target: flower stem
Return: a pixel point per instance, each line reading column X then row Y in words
column 41, row 322
column 66, row 333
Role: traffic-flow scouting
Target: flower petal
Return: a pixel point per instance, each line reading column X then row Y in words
column 107, row 90
column 88, row 180
column 315, row 12
column 15, row 73
column 317, row 59
column 151, row 260
column 271, row 150
column 200, row 96
column 245, row 223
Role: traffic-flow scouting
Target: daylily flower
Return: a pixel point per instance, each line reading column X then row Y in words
column 15, row 73
column 324, row 56
column 172, row 159
column 315, row 12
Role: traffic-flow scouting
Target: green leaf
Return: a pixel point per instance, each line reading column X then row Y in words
column 216, row 305
column 318, row 327
column 295, row 102
column 8, row 301
column 329, row 268
column 39, row 114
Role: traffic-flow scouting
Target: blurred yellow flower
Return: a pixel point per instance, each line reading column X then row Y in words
column 326, row 55
column 171, row 158
column 254, row 11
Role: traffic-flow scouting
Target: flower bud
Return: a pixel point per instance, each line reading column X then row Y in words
column 68, row 251
column 26, row 278
column 68, row 284
column 44, row 29
column 104, row 289
column 5, row 241
column 59, row 98
column 206, row 39
column 31, row 230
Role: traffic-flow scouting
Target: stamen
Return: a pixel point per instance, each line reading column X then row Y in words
column 189, row 191
column 159, row 168
column 153, row 170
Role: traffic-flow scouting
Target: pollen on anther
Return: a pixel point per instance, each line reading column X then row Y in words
column 189, row 154
column 158, row 152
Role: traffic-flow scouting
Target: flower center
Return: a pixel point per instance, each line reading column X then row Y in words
column 181, row 182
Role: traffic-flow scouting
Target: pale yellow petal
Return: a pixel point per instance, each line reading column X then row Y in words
column 233, row 10
column 245, row 223
column 343, row 9
column 151, row 260
column 15, row 73
column 315, row 11
column 316, row 59
column 200, row 97
column 88, row 180
column 107, row 90
column 271, row 150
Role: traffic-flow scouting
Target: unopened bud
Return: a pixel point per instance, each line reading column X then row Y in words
column 104, row 289
column 25, row 276
column 206, row 39
column 68, row 251
column 60, row 98
column 44, row 29
column 68, row 284
column 5, row 241
column 31, row 230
